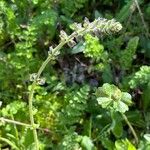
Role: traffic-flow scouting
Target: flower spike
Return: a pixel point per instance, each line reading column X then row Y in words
column 98, row 26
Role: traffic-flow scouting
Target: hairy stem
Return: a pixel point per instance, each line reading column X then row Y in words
column 31, row 94
column 31, row 115
column 131, row 128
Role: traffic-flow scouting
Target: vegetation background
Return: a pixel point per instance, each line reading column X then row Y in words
column 73, row 107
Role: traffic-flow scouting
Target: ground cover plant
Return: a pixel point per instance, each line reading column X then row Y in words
column 74, row 74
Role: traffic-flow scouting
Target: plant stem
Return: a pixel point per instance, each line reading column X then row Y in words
column 31, row 115
column 90, row 126
column 2, row 119
column 31, row 94
column 15, row 122
column 142, row 18
column 131, row 128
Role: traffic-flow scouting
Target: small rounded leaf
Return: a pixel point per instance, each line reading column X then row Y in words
column 121, row 107
column 126, row 98
column 104, row 101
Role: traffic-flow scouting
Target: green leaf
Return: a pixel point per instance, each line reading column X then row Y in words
column 93, row 48
column 107, row 74
column 9, row 143
column 107, row 89
column 126, row 98
column 28, row 138
column 107, row 143
column 47, row 19
column 35, row 1
column 147, row 137
column 127, row 56
column 87, row 143
column 120, row 106
column 104, row 102
column 116, row 125
column 97, row 14
column 110, row 94
column 125, row 11
column 124, row 145
column 141, row 77
column 78, row 48
column 145, row 97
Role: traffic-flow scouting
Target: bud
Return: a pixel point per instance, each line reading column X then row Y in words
column 33, row 76
column 41, row 81
column 76, row 26
column 86, row 22
column 71, row 43
column 63, row 35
